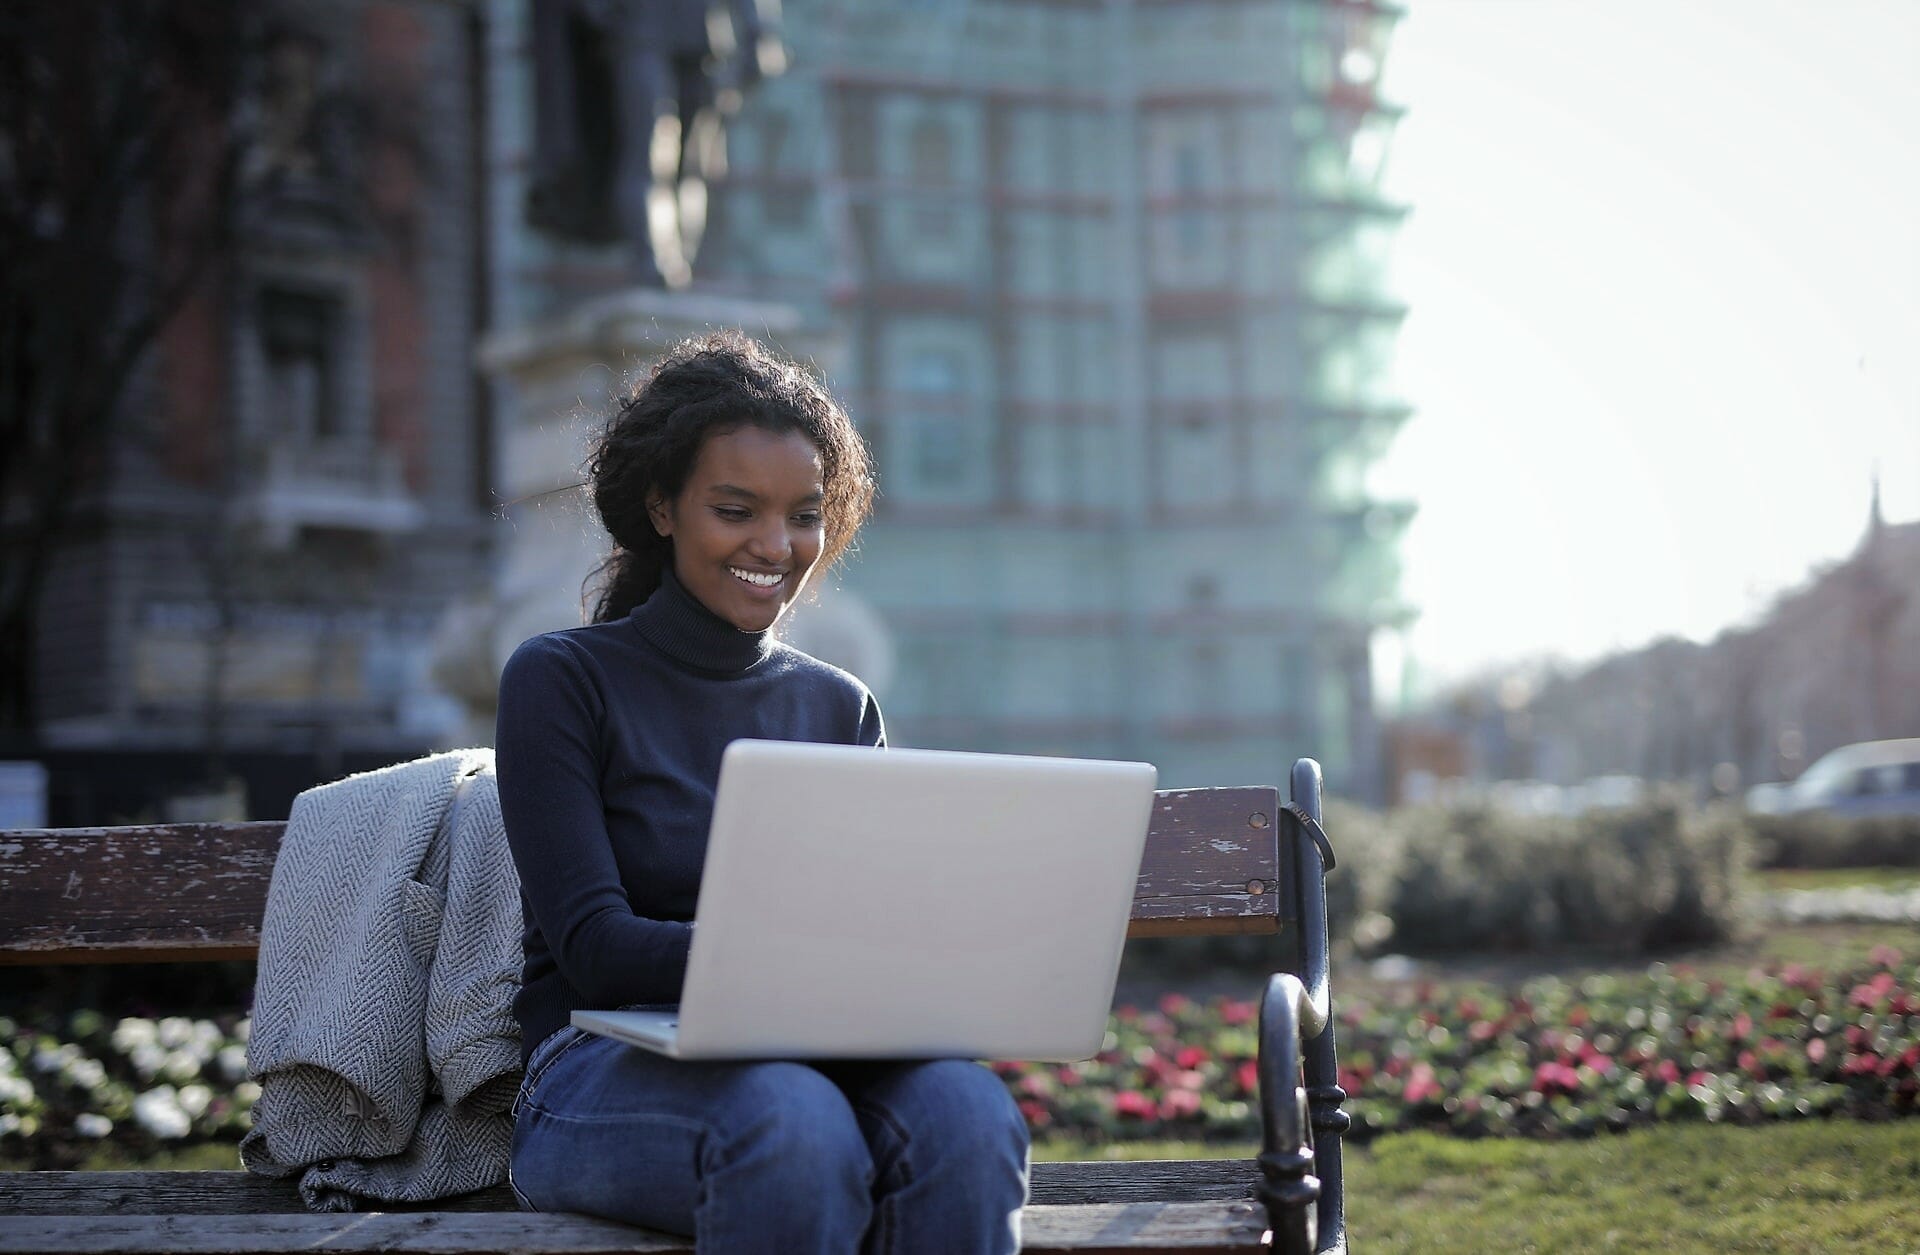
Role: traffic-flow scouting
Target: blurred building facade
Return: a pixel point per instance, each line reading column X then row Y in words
column 300, row 488
column 1103, row 284
column 1110, row 287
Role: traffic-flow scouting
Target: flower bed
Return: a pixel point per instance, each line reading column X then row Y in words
column 1555, row 1058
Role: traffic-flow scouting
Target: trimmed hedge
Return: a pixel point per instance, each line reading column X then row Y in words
column 1476, row 878
column 1816, row 840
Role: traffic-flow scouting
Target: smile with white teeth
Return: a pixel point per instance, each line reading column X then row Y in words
column 756, row 578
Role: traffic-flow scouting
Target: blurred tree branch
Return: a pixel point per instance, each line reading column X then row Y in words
column 118, row 155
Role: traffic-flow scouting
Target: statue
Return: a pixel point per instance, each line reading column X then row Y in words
column 609, row 164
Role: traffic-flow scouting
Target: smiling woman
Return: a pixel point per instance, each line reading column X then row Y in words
column 747, row 529
column 727, row 479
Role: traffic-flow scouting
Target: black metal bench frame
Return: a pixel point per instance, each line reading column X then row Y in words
column 139, row 895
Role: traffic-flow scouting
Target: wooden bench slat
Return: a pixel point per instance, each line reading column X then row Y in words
column 244, row 1193
column 196, row 892
column 1092, row 1228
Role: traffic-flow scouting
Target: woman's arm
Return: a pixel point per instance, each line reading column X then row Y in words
column 547, row 758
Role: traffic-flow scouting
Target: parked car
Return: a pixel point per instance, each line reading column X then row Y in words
column 1870, row 778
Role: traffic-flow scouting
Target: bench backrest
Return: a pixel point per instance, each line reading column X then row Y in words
column 197, row 892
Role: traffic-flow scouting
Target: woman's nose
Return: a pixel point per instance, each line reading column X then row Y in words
column 772, row 543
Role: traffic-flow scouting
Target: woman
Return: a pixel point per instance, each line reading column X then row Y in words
column 726, row 481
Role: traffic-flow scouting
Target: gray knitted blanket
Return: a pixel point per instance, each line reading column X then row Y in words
column 383, row 1035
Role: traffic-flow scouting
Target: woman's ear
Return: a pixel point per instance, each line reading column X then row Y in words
column 661, row 515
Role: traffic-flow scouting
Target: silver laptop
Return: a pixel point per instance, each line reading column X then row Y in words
column 871, row 904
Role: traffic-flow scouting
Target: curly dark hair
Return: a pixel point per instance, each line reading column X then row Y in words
column 705, row 386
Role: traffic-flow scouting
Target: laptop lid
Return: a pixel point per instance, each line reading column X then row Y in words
column 903, row 903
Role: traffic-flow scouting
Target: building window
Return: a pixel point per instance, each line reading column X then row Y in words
column 940, row 455
column 930, row 167
column 299, row 339
column 1188, row 182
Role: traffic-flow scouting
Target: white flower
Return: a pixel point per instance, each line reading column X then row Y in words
column 16, row 1091
column 86, row 1073
column 87, row 1124
column 182, row 1066
column 158, row 1112
column 8, row 1123
column 244, row 1029
column 7, row 1027
column 232, row 1061
column 247, row 1092
column 147, row 1059
column 175, row 1030
column 193, row 1100
column 129, row 1033
column 45, row 1060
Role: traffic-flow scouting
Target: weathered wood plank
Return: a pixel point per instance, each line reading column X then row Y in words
column 1089, row 1229
column 243, row 1193
column 190, row 892
column 1211, row 842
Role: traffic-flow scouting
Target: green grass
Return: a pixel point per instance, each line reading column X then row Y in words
column 206, row 1157
column 1806, row 1186
column 1810, row 1186
column 1775, row 879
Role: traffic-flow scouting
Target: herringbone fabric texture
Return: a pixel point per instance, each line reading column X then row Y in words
column 383, row 1034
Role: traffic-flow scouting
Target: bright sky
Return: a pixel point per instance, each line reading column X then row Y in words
column 1664, row 273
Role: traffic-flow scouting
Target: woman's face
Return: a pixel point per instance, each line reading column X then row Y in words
column 747, row 529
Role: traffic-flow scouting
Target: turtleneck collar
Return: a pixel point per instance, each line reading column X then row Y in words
column 675, row 623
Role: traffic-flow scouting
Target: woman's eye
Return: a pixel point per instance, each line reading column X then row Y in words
column 732, row 513
column 806, row 520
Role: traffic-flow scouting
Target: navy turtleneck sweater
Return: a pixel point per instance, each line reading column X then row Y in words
column 607, row 751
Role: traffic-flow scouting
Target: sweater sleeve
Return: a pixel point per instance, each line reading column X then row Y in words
column 873, row 729
column 547, row 759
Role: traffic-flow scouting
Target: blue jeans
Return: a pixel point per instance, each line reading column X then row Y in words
column 883, row 1158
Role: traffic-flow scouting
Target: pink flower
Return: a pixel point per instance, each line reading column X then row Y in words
column 1134, row 1104
column 1248, row 1077
column 1235, row 1012
column 1884, row 956
column 1551, row 1078
column 1036, row 1113
column 1742, row 1027
column 1667, row 1072
column 1190, row 1057
column 1422, row 1087
column 1180, row 1104
column 1817, row 1050
column 1176, row 1004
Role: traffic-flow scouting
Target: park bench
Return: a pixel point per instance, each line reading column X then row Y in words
column 1218, row 861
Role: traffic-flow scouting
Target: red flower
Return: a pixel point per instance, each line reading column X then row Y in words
column 1190, row 1057
column 1248, row 1077
column 1234, row 1013
column 1667, row 1072
column 1749, row 1063
column 1134, row 1104
column 1578, row 1017
column 1180, row 1104
column 1036, row 1113
column 1175, row 1004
